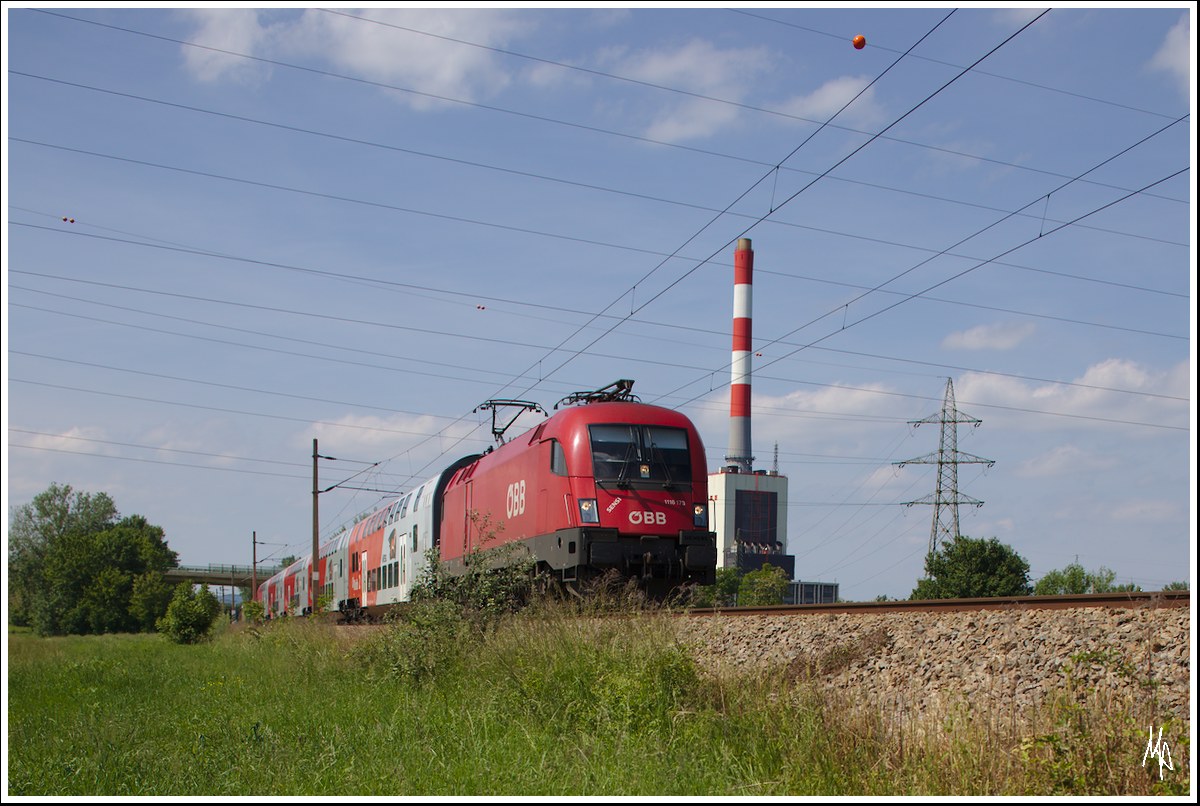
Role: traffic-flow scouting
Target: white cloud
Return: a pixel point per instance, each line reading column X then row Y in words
column 235, row 30
column 379, row 49
column 1011, row 18
column 433, row 63
column 831, row 420
column 691, row 120
column 1001, row 336
column 1061, row 460
column 702, row 68
column 699, row 67
column 1101, row 393
column 1145, row 511
column 823, row 102
column 1174, row 57
column 414, row 439
column 73, row 440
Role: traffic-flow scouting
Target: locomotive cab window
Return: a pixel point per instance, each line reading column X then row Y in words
column 558, row 458
column 636, row 455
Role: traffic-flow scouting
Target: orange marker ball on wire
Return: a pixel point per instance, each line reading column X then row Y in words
column 859, row 41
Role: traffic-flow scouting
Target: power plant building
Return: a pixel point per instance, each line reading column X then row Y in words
column 747, row 507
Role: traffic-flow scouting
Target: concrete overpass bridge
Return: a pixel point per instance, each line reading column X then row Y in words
column 236, row 576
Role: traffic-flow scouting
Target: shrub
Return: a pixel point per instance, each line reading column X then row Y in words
column 496, row 580
column 253, row 611
column 420, row 639
column 190, row 615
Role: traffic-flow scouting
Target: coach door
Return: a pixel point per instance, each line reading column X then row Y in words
column 364, row 576
column 469, row 498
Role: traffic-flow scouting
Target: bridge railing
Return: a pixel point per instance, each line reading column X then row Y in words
column 231, row 571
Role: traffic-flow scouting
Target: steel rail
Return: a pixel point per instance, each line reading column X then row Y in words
column 1127, row 599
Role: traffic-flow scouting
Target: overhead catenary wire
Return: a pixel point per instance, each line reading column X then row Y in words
column 492, row 108
column 593, row 316
column 357, row 349
column 554, row 179
column 884, row 291
column 978, row 265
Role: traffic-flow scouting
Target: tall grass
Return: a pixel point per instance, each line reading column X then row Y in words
column 548, row 702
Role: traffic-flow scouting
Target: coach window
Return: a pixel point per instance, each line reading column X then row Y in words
column 558, row 458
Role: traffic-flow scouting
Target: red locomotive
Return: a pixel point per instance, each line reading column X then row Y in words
column 606, row 483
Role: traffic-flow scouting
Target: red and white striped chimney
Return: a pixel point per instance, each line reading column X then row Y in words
column 739, row 385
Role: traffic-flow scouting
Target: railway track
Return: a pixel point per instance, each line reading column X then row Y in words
column 1137, row 599
column 1130, row 600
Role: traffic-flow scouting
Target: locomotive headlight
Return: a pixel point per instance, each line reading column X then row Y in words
column 588, row 511
column 700, row 515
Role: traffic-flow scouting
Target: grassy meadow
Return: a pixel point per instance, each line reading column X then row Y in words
column 542, row 703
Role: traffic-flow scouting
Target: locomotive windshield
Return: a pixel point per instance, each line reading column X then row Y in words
column 628, row 455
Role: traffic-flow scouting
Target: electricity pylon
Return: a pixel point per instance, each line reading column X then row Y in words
column 948, row 457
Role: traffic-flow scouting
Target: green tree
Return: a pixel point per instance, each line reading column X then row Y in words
column 968, row 567
column 766, row 586
column 1075, row 579
column 34, row 528
column 1072, row 579
column 1178, row 586
column 149, row 599
column 73, row 567
column 723, row 592
column 190, row 615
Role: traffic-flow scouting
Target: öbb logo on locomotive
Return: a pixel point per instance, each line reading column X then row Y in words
column 606, row 483
column 514, row 500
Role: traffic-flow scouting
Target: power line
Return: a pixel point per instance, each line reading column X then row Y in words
column 875, row 44
column 143, row 399
column 560, row 180
column 881, row 291
column 666, row 325
column 152, row 448
column 673, row 364
column 486, row 107
column 153, row 461
column 603, row 313
column 218, row 385
column 696, row 95
column 728, row 207
column 980, row 264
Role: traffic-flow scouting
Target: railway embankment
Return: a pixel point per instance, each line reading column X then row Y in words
column 1001, row 662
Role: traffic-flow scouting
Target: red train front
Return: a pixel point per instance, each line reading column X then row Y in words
column 612, row 484
column 609, row 484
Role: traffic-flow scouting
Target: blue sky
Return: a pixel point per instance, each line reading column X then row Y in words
column 358, row 224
